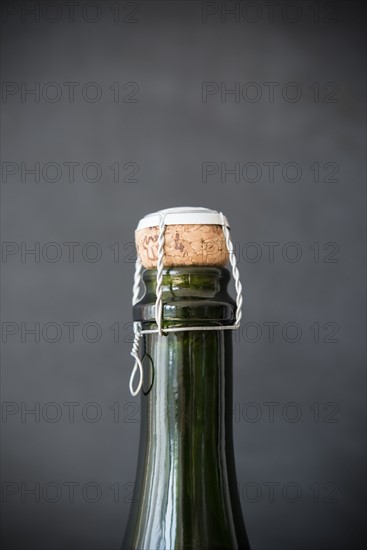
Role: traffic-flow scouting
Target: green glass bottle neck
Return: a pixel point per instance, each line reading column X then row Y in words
column 186, row 490
column 190, row 295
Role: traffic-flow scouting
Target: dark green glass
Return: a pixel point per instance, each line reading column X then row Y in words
column 186, row 494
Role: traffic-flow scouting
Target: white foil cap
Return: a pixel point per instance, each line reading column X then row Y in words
column 183, row 215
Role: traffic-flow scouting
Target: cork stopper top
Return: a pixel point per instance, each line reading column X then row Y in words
column 192, row 236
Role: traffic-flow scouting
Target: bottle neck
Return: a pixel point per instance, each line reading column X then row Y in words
column 186, row 489
column 196, row 295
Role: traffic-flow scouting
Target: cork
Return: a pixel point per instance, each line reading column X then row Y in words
column 184, row 244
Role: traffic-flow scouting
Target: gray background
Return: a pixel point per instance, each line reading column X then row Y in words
column 169, row 51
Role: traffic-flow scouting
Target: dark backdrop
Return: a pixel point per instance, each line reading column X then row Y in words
column 253, row 108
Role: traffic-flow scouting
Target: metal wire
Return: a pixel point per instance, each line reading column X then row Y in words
column 160, row 266
column 235, row 272
column 159, row 304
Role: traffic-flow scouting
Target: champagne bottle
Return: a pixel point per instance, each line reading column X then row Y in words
column 185, row 493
